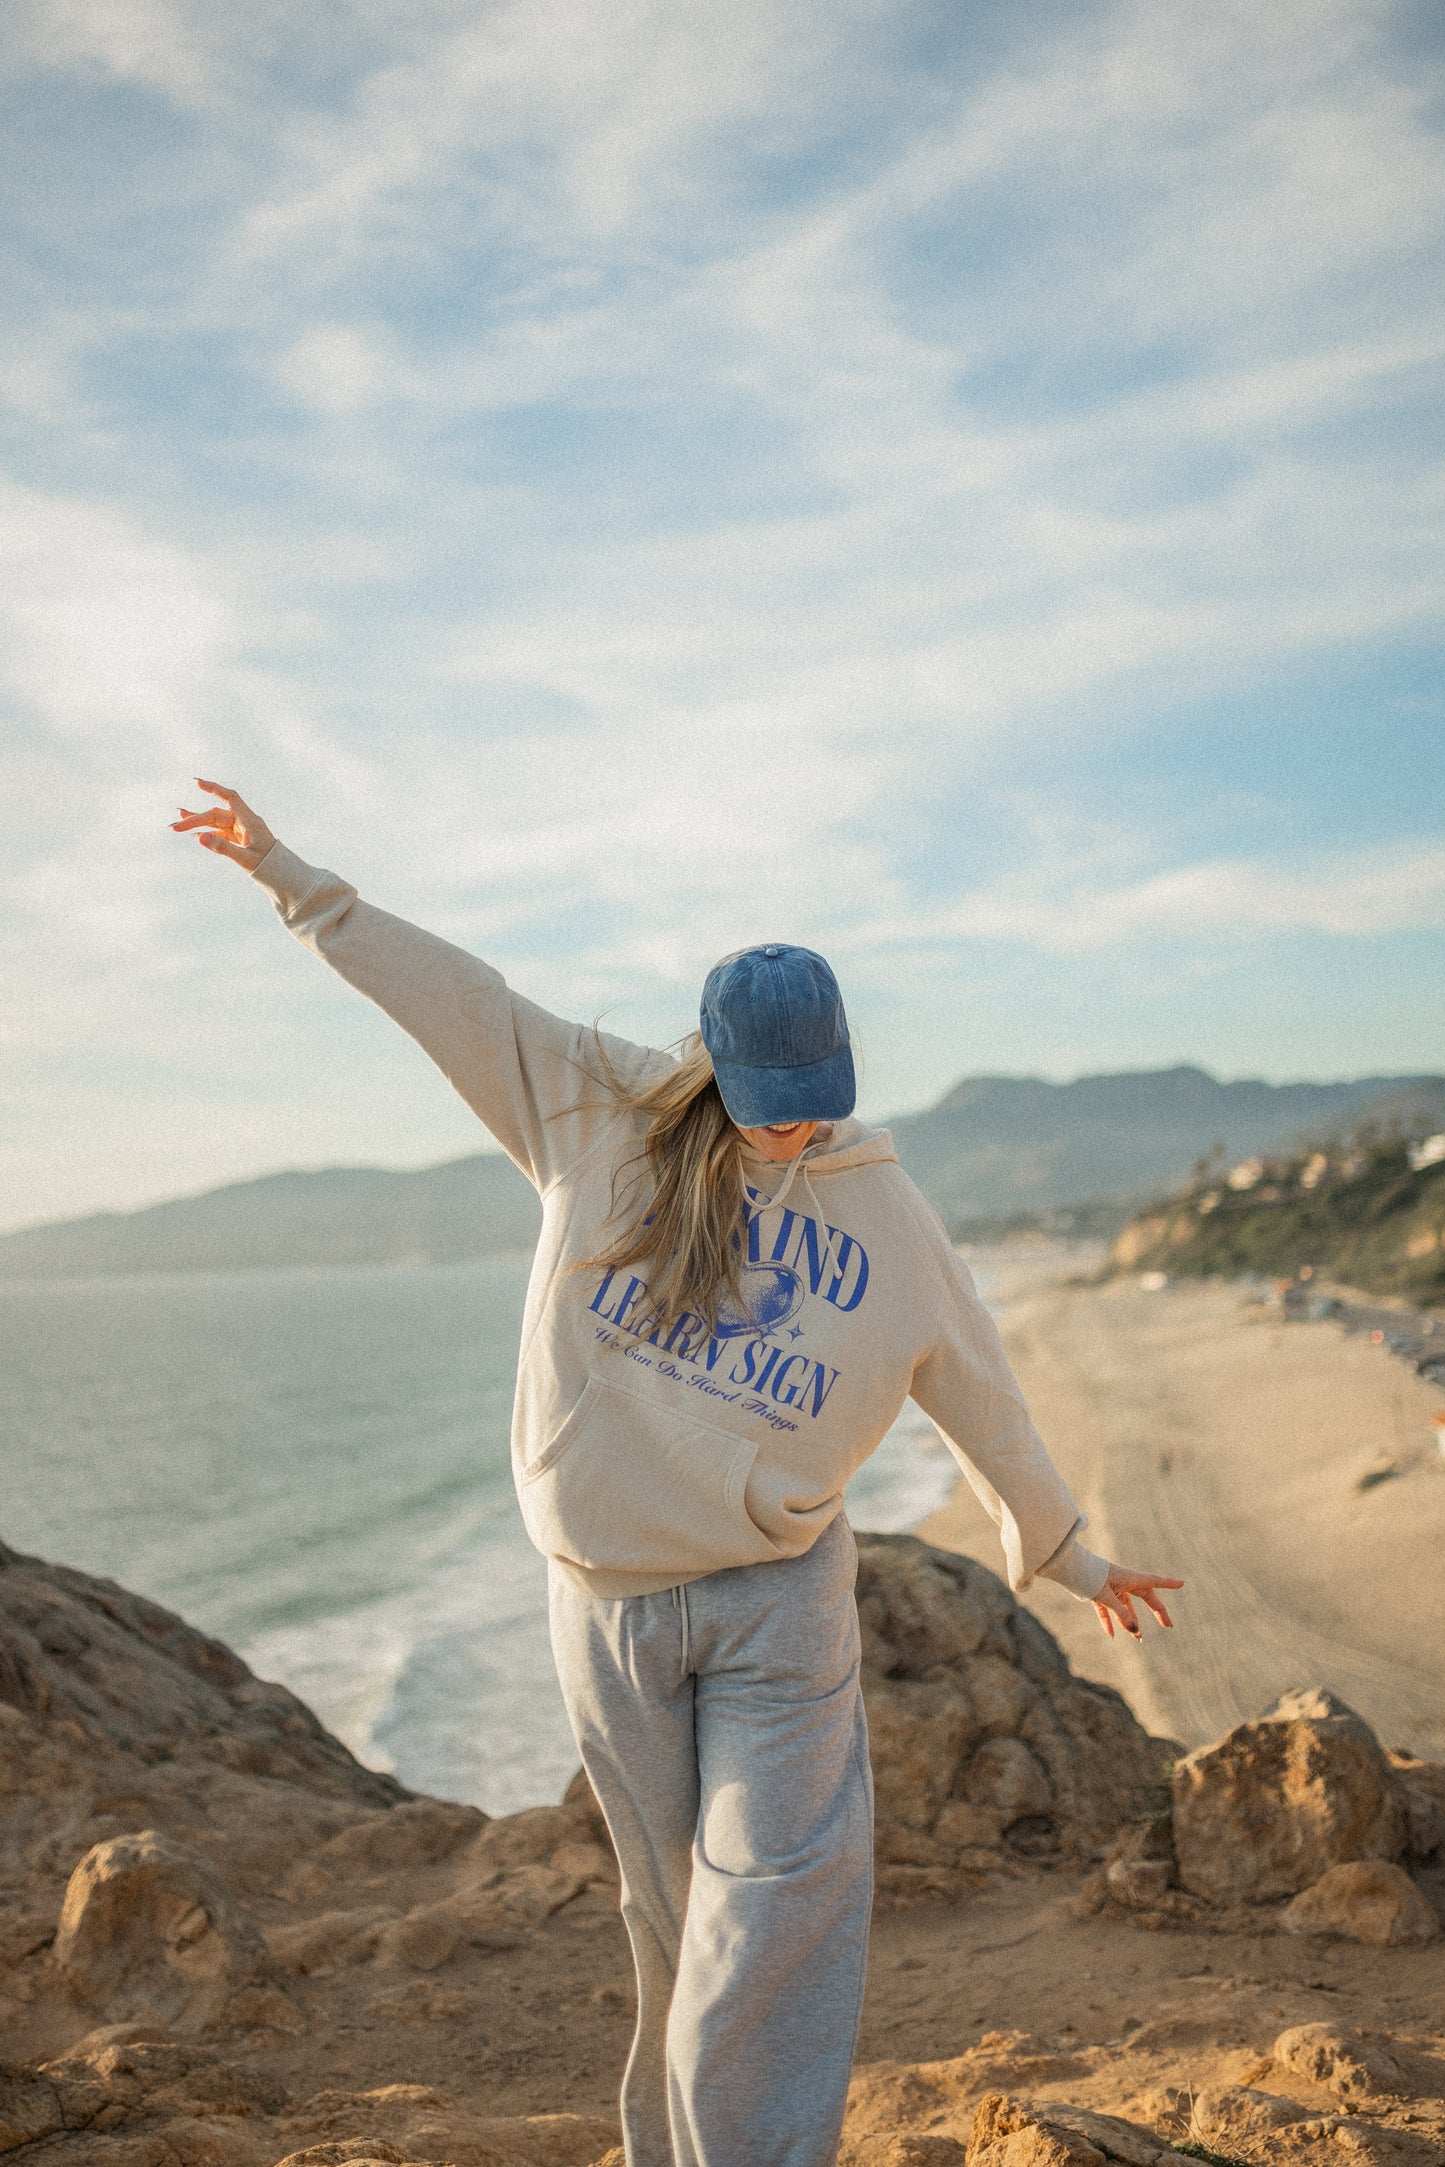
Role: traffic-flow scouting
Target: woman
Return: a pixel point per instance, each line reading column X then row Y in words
column 735, row 1289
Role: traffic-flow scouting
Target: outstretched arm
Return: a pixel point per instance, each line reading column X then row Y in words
column 532, row 1077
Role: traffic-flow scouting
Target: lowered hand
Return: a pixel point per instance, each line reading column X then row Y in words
column 231, row 829
column 1114, row 1599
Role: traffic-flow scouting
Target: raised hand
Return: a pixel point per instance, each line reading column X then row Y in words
column 1114, row 1599
column 231, row 829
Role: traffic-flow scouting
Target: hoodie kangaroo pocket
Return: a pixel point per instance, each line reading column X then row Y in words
column 632, row 1486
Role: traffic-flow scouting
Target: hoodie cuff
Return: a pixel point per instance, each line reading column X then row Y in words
column 286, row 877
column 1077, row 1569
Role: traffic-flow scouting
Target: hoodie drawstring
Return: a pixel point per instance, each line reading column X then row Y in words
column 775, row 1203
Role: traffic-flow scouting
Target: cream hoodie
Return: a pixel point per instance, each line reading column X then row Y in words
column 646, row 1449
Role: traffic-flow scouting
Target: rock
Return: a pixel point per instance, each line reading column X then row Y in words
column 1367, row 1900
column 914, row 2150
column 1348, row 2063
column 423, row 1941
column 1138, row 1884
column 1226, row 2113
column 497, row 1918
column 1004, row 1775
column 889, row 2100
column 35, row 2104
column 116, row 1716
column 419, row 1832
column 330, row 1940
column 1008, row 2133
column 131, row 1677
column 1116, row 2139
column 417, row 2122
column 148, row 1930
column 1423, row 1785
column 354, row 2152
column 986, row 1748
column 1271, row 1807
column 1140, row 1871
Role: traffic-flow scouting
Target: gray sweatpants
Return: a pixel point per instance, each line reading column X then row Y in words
column 722, row 1726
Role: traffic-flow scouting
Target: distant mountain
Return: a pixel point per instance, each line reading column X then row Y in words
column 340, row 1215
column 996, row 1147
column 999, row 1146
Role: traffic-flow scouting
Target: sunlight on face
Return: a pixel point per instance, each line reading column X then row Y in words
column 783, row 1141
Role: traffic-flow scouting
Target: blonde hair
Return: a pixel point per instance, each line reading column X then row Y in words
column 689, row 1228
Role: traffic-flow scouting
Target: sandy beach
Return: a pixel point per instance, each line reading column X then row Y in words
column 1205, row 1436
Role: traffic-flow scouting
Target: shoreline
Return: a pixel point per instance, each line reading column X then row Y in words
column 1284, row 1469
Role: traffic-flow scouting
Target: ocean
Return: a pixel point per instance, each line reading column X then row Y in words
column 313, row 1466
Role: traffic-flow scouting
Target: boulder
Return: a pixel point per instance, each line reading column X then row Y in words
column 127, row 1676
column 987, row 1750
column 148, row 1930
column 1347, row 2063
column 1281, row 1799
column 1010, row 2133
column 115, row 1716
column 1226, row 2114
column 1110, row 2134
column 1368, row 1900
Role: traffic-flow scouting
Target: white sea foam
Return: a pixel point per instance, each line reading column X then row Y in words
column 314, row 1466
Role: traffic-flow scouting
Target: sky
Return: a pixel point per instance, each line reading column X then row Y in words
column 956, row 485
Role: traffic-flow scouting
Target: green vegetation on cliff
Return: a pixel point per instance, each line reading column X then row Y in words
column 1370, row 1213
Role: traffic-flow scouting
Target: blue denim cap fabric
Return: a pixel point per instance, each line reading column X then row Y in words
column 772, row 1019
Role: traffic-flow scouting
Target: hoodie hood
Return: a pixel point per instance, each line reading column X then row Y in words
column 837, row 1148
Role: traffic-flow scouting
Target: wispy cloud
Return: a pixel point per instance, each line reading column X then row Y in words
column 620, row 483
column 1357, row 896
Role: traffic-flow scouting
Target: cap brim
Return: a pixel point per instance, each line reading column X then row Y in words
column 758, row 1098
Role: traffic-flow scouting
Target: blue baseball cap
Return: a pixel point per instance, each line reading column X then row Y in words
column 772, row 1019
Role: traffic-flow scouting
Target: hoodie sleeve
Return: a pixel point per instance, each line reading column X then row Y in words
column 534, row 1079
column 964, row 1384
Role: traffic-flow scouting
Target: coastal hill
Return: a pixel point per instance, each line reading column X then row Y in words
column 1370, row 1214
column 994, row 1149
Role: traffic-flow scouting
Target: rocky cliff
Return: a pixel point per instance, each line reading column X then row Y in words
column 225, row 1943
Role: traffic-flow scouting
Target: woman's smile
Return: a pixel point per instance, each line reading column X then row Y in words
column 781, row 1140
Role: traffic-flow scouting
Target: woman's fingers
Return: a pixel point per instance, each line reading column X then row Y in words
column 1110, row 1605
column 227, row 849
column 231, row 828
column 1114, row 1599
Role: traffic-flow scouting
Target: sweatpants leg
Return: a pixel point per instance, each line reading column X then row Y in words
column 629, row 1694
column 730, row 1709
